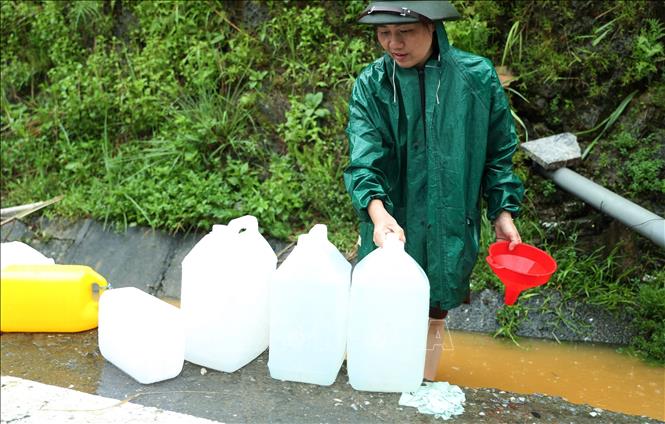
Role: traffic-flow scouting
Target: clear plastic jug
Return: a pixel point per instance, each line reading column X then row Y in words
column 224, row 295
column 308, row 311
column 388, row 321
column 19, row 253
column 49, row 298
column 141, row 334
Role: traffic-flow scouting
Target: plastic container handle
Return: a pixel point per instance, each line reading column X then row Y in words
column 302, row 239
column 391, row 241
column 319, row 232
column 247, row 222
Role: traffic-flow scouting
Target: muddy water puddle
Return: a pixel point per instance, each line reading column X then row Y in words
column 68, row 360
column 580, row 373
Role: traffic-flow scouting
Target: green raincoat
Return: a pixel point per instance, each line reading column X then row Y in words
column 430, row 162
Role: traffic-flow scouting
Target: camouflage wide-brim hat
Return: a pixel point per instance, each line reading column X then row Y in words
column 405, row 11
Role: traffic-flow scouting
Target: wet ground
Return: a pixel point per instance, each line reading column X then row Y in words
column 248, row 395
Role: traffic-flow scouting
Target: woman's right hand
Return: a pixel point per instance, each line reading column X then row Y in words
column 383, row 222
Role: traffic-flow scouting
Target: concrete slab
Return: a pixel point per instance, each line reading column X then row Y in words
column 14, row 231
column 42, row 238
column 63, row 229
column 171, row 282
column 583, row 322
column 555, row 151
column 135, row 258
column 30, row 402
column 478, row 315
column 53, row 248
column 282, row 250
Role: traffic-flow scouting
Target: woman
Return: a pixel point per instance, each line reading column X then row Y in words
column 430, row 134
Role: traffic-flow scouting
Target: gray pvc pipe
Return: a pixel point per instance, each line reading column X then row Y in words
column 632, row 215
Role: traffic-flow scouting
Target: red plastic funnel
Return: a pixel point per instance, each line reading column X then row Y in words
column 519, row 269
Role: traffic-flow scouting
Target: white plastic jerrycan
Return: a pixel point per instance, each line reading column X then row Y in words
column 224, row 295
column 18, row 253
column 141, row 334
column 388, row 320
column 308, row 311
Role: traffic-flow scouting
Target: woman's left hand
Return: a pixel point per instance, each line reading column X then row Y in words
column 505, row 229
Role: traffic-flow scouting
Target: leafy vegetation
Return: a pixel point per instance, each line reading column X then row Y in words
column 650, row 341
column 179, row 115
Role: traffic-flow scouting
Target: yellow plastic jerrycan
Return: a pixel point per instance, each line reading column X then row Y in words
column 49, row 298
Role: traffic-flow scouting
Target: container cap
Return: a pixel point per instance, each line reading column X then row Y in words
column 247, row 222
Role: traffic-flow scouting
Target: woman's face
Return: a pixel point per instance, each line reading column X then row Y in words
column 409, row 44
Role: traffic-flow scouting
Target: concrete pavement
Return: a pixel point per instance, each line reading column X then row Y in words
column 30, row 402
